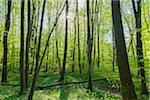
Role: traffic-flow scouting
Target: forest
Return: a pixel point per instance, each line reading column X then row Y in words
column 74, row 49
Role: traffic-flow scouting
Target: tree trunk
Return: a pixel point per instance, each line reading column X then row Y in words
column 27, row 47
column 37, row 68
column 56, row 37
column 127, row 88
column 65, row 47
column 93, row 31
column 98, row 32
column 94, row 51
column 22, row 70
column 49, row 36
column 139, row 45
column 47, row 59
column 84, row 46
column 49, row 24
column 78, row 32
column 74, row 49
column 7, row 27
column 57, row 50
column 98, row 46
column 89, row 43
column 35, row 20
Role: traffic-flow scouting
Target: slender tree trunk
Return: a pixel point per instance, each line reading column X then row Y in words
column 48, row 39
column 127, row 88
column 35, row 20
column 139, row 45
column 74, row 49
column 131, row 44
column 84, row 45
column 49, row 24
column 27, row 47
column 37, row 68
column 56, row 37
column 78, row 32
column 12, row 36
column 93, row 31
column 98, row 46
column 57, row 50
column 65, row 47
column 47, row 59
column 94, row 51
column 98, row 32
column 22, row 69
column 102, row 46
column 7, row 27
column 89, row 43
column 53, row 52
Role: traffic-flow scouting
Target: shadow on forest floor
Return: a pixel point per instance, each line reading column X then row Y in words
column 64, row 93
column 103, row 89
column 106, row 89
column 16, row 96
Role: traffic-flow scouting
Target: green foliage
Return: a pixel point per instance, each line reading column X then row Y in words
column 102, row 90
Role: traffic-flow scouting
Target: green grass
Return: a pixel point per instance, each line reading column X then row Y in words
column 102, row 90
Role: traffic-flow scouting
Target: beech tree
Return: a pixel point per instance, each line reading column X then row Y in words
column 22, row 69
column 139, row 45
column 127, row 87
column 5, row 39
column 37, row 68
column 66, row 44
column 89, row 43
column 74, row 48
column 28, row 45
column 78, row 33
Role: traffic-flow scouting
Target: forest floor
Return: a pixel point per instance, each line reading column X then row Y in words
column 105, row 89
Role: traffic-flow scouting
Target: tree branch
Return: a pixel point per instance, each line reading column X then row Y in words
column 41, row 87
column 47, row 43
column 134, row 8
